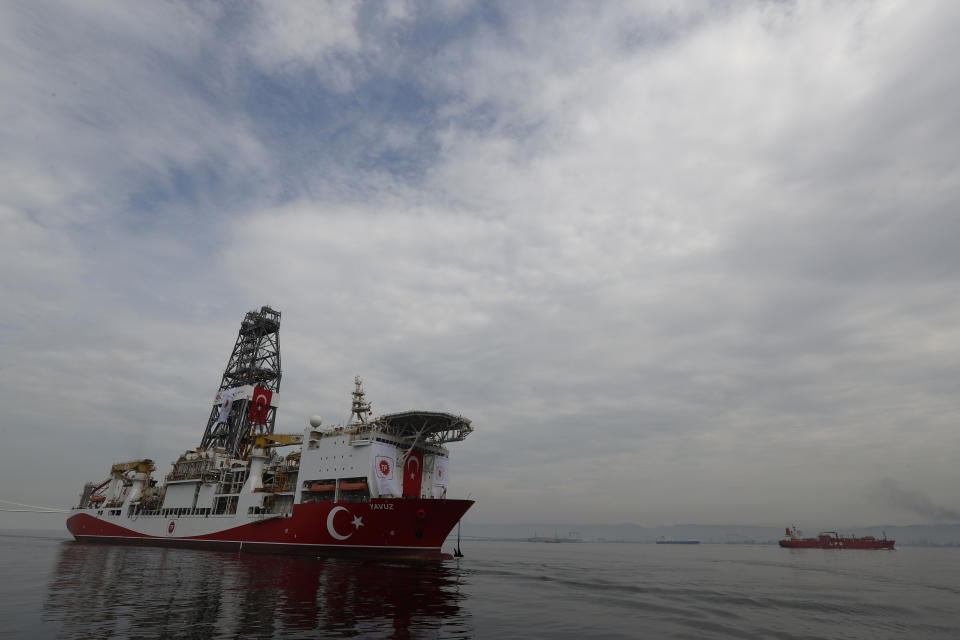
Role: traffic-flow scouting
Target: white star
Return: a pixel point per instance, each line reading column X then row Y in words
column 357, row 522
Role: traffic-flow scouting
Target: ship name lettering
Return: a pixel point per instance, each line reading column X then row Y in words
column 376, row 505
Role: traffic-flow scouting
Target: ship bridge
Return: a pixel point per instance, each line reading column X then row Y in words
column 432, row 427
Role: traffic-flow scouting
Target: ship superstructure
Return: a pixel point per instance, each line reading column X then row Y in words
column 375, row 484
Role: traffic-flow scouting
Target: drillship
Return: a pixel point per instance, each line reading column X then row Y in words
column 373, row 486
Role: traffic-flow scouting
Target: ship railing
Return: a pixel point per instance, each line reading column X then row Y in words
column 361, row 434
column 183, row 512
column 187, row 475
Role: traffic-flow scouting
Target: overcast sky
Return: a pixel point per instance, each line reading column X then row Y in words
column 679, row 262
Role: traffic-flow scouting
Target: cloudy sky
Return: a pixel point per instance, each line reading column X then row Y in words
column 679, row 262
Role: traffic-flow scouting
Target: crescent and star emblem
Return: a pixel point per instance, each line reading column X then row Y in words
column 357, row 523
column 409, row 460
column 261, row 400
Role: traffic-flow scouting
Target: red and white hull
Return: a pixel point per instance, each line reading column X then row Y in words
column 397, row 526
column 833, row 540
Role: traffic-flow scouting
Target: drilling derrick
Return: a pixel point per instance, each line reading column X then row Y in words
column 246, row 403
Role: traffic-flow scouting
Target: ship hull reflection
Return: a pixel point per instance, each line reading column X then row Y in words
column 99, row 590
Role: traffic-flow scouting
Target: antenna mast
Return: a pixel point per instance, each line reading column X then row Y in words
column 361, row 408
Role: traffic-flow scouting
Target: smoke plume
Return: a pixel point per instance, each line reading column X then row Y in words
column 916, row 502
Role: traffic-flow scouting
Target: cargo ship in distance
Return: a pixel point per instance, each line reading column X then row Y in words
column 373, row 486
column 663, row 540
column 833, row 540
column 572, row 536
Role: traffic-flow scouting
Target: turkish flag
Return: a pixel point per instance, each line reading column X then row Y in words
column 413, row 474
column 260, row 405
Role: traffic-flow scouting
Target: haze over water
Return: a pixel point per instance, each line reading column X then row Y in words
column 58, row 588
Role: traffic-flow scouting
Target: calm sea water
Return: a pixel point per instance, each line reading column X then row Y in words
column 53, row 587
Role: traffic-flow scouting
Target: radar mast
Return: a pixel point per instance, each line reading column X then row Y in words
column 361, row 408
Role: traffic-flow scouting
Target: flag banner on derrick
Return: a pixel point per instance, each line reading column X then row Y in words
column 260, row 405
column 227, row 397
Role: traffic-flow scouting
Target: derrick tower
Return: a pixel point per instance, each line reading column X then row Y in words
column 246, row 403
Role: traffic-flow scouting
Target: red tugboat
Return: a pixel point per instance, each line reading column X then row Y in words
column 833, row 540
column 373, row 486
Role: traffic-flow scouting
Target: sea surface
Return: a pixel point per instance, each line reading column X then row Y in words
column 56, row 588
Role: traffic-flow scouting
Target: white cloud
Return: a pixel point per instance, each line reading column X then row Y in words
column 100, row 109
column 304, row 32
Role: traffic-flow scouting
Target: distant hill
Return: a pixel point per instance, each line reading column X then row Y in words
column 912, row 535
